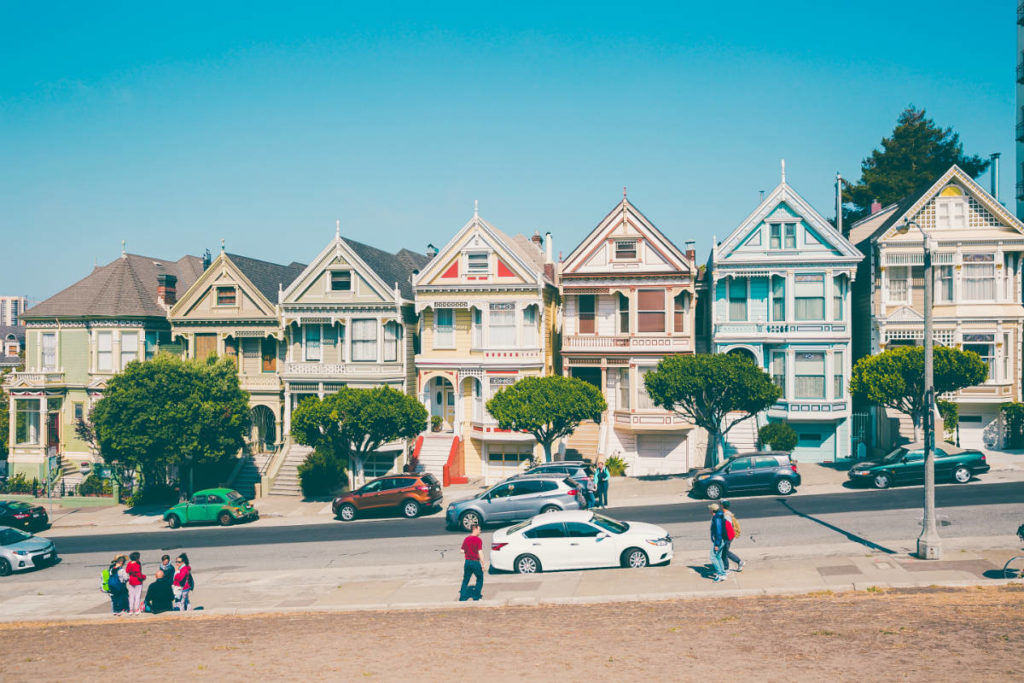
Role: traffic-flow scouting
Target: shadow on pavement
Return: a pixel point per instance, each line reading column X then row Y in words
column 851, row 536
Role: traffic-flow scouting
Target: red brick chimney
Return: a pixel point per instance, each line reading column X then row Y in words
column 167, row 289
column 691, row 252
column 876, row 206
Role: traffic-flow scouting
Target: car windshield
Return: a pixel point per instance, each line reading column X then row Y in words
column 609, row 524
column 896, row 455
column 235, row 496
column 720, row 466
column 12, row 536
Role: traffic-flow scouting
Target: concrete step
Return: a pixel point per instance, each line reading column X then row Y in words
column 286, row 483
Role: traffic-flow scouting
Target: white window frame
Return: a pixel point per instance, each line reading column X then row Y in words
column 392, row 336
column 531, row 333
column 444, row 335
column 49, row 355
column 732, row 283
column 129, row 351
column 503, row 336
column 330, row 280
column 890, row 291
column 809, row 278
column 797, row 376
column 971, row 265
column 943, row 274
column 104, row 351
column 364, row 348
column 624, row 244
column 307, row 347
column 474, row 268
column 33, row 423
column 779, row 378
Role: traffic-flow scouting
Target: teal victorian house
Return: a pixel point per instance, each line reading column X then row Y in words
column 781, row 296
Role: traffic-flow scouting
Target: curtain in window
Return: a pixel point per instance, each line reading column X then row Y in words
column 26, row 427
column 644, row 401
column 364, row 339
column 530, row 326
column 809, row 297
column 899, row 286
column 779, row 371
column 312, row 343
column 778, row 298
column 979, row 281
column 586, row 313
column 444, row 328
column 737, row 299
column 503, row 325
column 650, row 310
column 837, row 374
column 809, row 373
column 391, row 342
column 623, row 389
column 49, row 351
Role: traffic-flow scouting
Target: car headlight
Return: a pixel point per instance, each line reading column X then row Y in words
column 659, row 541
column 21, row 553
column 702, row 477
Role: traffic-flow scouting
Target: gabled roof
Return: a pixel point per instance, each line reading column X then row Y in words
column 125, row 287
column 626, row 210
column 784, row 194
column 265, row 276
column 873, row 227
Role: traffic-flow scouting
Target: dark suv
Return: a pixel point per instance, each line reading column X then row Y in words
column 581, row 471
column 409, row 493
column 773, row 471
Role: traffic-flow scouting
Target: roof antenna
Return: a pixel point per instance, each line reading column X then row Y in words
column 123, row 252
column 337, row 229
column 476, row 208
column 783, row 171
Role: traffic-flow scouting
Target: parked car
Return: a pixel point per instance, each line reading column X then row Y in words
column 581, row 471
column 773, row 471
column 578, row 539
column 515, row 500
column 905, row 465
column 21, row 551
column 409, row 493
column 224, row 506
column 21, row 515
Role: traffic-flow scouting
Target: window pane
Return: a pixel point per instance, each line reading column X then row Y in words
column 775, row 239
column 129, row 347
column 644, row 401
column 364, row 339
column 26, row 428
column 809, row 297
column 49, row 351
column 623, row 314
column 740, row 465
column 586, row 313
column 477, row 263
column 809, row 375
column 737, row 300
column 391, row 342
column 444, row 328
column 104, row 352
column 899, row 288
column 623, row 389
column 837, row 298
column 650, row 310
column 341, row 281
column 530, row 326
column 837, row 374
column 313, row 342
column 779, row 371
column 625, row 249
column 790, row 235
column 778, row 298
column 226, row 296
column 679, row 321
column 651, row 299
column 502, row 328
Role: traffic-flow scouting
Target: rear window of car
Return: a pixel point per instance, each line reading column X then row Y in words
column 430, row 480
column 766, row 461
column 235, row 496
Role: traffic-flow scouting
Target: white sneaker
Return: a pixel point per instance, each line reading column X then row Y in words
column 739, row 567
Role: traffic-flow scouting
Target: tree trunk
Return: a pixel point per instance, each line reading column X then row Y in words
column 916, row 421
column 711, row 454
column 547, row 451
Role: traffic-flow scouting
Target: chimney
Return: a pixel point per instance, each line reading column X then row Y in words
column 536, row 239
column 993, row 175
column 167, row 289
column 431, row 251
column 691, row 252
column 547, row 248
column 207, row 259
column 876, row 206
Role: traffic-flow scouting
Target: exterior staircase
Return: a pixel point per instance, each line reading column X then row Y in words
column 248, row 475
column 433, row 454
column 582, row 444
column 743, row 437
column 286, row 483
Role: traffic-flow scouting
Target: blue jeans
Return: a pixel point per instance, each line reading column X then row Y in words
column 602, row 493
column 591, row 502
column 471, row 568
column 728, row 554
column 716, row 561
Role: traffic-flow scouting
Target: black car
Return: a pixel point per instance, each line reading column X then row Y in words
column 772, row 471
column 20, row 515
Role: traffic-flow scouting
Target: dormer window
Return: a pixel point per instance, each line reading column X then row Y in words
column 477, row 263
column 341, row 281
column 782, row 236
column 625, row 250
column 951, row 209
column 226, row 296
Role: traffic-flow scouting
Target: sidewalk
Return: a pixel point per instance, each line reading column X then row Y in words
column 803, row 569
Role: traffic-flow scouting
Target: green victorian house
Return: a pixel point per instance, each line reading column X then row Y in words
column 75, row 341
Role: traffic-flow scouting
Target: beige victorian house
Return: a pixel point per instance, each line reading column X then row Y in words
column 977, row 250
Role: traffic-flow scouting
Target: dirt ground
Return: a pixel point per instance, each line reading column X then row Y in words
column 934, row 635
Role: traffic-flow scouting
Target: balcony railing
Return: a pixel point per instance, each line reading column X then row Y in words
column 810, row 407
column 784, row 329
column 268, row 381
column 35, row 378
column 596, row 343
column 315, row 369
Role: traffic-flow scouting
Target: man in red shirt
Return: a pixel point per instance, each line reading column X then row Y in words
column 472, row 547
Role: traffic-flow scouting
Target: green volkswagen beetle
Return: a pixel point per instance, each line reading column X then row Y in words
column 224, row 506
column 905, row 465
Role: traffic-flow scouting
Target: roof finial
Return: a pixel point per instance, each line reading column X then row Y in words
column 783, row 170
column 623, row 191
column 476, row 208
column 222, row 245
column 123, row 252
column 337, row 229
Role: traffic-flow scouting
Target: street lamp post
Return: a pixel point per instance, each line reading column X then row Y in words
column 929, row 546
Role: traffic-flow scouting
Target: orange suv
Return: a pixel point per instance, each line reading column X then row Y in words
column 410, row 493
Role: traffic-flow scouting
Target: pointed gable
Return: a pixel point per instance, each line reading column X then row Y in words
column 236, row 286
column 625, row 241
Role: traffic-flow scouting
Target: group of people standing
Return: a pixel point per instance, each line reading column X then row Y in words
column 724, row 528
column 123, row 581
column 596, row 492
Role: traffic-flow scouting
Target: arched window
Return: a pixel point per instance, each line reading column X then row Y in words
column 951, row 209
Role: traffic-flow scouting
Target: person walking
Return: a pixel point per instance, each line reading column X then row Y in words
column 135, row 580
column 732, row 532
column 472, row 548
column 183, row 582
column 602, row 476
column 717, row 542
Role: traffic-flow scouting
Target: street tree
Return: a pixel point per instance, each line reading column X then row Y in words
column 549, row 408
column 916, row 154
column 705, row 388
column 895, row 377
column 169, row 411
column 352, row 423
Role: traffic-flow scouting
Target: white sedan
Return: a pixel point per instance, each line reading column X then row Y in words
column 578, row 539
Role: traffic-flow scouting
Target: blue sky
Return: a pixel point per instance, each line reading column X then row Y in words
column 176, row 125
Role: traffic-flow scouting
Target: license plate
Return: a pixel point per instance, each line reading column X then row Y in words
column 35, row 514
column 47, row 556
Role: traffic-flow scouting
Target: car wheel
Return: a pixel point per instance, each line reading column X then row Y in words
column 225, row 519
column 549, row 508
column 713, row 491
column 347, row 512
column 527, row 564
column 173, row 521
column 634, row 558
column 410, row 509
column 468, row 520
column 882, row 481
column 5, row 567
column 784, row 487
column 961, row 475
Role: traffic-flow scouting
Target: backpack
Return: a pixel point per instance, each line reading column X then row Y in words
column 730, row 533
column 735, row 524
column 105, row 581
column 190, row 582
column 114, row 582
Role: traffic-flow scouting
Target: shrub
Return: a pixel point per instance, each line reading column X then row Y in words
column 435, row 423
column 156, row 494
column 950, row 419
column 616, row 466
column 94, row 486
column 1013, row 416
column 19, row 483
column 322, row 473
column 778, row 435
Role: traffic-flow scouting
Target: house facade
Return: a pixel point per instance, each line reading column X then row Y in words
column 781, row 285
column 628, row 301
column 977, row 247
column 11, row 308
column 488, row 307
column 75, row 341
column 231, row 310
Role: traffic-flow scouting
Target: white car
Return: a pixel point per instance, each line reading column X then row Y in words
column 578, row 539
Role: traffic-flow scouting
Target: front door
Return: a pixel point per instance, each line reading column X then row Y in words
column 53, row 431
column 195, row 510
column 369, row 496
column 740, row 476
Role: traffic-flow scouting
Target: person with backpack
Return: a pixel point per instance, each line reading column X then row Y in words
column 184, row 583
column 135, row 580
column 717, row 543
column 602, row 476
column 114, row 585
column 732, row 531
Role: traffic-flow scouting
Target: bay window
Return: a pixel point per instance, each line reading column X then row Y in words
column 979, row 277
column 105, row 351
column 364, row 339
column 737, row 299
column 809, row 374
column 444, row 328
column 983, row 345
column 650, row 310
column 809, row 297
column 502, row 325
column 586, row 313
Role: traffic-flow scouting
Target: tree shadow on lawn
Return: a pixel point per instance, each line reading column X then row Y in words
column 849, row 535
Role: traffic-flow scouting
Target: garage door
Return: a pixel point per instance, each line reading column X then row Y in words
column 979, row 431
column 656, row 445
column 506, row 459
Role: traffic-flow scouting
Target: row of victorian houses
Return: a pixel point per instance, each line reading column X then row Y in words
column 455, row 325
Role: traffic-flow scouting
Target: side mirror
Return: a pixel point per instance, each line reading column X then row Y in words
column 603, row 534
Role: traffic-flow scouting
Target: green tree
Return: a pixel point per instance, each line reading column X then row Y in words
column 778, row 435
column 168, row 411
column 916, row 154
column 895, row 378
column 704, row 388
column 352, row 423
column 549, row 408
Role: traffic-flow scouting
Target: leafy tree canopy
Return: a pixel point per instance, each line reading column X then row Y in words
column 704, row 388
column 895, row 377
column 547, row 407
column 916, row 154
column 169, row 411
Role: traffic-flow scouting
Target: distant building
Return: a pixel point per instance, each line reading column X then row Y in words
column 11, row 307
column 12, row 341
